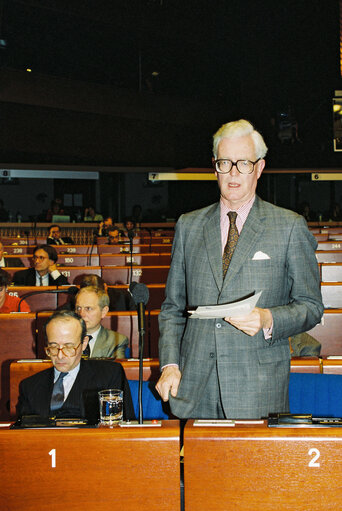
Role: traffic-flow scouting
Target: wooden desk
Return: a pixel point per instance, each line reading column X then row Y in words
column 255, row 467
column 95, row 469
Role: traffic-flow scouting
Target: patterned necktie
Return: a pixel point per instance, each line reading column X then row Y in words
column 57, row 398
column 40, row 280
column 86, row 352
column 232, row 240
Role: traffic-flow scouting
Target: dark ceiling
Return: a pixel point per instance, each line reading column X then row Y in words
column 284, row 50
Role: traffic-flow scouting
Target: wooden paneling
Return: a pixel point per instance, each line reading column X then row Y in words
column 102, row 468
column 252, row 467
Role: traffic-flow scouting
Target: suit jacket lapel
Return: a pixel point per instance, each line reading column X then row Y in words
column 212, row 240
column 100, row 343
column 43, row 391
column 250, row 234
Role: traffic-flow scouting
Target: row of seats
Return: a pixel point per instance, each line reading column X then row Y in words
column 22, row 334
column 93, row 249
column 142, row 259
column 298, row 389
column 113, row 275
column 48, row 300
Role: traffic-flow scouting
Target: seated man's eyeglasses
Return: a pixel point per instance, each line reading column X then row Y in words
column 67, row 350
column 223, row 166
column 40, row 258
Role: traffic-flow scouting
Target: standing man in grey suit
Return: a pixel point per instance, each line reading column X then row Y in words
column 236, row 367
column 92, row 304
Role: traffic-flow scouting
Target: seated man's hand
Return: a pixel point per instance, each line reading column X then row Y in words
column 253, row 322
column 169, row 382
column 52, row 267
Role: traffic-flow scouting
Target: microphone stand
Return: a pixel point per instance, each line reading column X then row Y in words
column 141, row 325
column 131, row 236
column 140, row 295
column 92, row 248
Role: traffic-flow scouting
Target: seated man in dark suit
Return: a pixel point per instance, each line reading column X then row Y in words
column 45, row 271
column 12, row 262
column 70, row 388
column 55, row 238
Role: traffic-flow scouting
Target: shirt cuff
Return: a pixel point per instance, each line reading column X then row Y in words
column 169, row 365
column 268, row 332
column 55, row 274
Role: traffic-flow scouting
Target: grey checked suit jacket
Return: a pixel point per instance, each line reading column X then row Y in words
column 252, row 373
column 109, row 344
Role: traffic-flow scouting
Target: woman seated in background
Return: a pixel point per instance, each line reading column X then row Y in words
column 129, row 226
column 9, row 303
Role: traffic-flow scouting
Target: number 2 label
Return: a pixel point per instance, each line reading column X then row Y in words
column 315, row 455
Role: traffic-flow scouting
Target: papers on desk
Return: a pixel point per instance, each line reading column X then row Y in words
column 240, row 308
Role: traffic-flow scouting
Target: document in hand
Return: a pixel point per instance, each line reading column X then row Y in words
column 239, row 308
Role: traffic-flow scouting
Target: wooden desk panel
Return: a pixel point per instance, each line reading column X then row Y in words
column 39, row 302
column 75, row 275
column 145, row 274
column 144, row 259
column 18, row 340
column 306, row 365
column 95, row 469
column 331, row 272
column 15, row 250
column 75, row 249
column 78, row 259
column 329, row 245
column 332, row 295
column 329, row 332
column 257, row 468
column 329, row 256
column 332, row 366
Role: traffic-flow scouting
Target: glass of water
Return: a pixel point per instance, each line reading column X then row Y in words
column 111, row 406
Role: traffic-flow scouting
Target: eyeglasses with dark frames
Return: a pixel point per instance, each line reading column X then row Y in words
column 224, row 166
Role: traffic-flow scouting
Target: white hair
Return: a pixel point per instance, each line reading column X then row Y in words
column 241, row 128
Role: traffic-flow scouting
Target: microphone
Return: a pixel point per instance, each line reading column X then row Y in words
column 140, row 295
column 72, row 291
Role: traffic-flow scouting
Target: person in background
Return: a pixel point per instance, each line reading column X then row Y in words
column 44, row 273
column 105, row 226
column 90, row 215
column 70, row 388
column 56, row 209
column 113, row 235
column 92, row 304
column 129, row 225
column 9, row 262
column 9, row 303
column 55, row 238
column 304, row 345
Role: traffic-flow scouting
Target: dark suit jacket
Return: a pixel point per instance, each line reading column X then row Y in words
column 28, row 278
column 67, row 241
column 13, row 262
column 82, row 401
column 275, row 254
